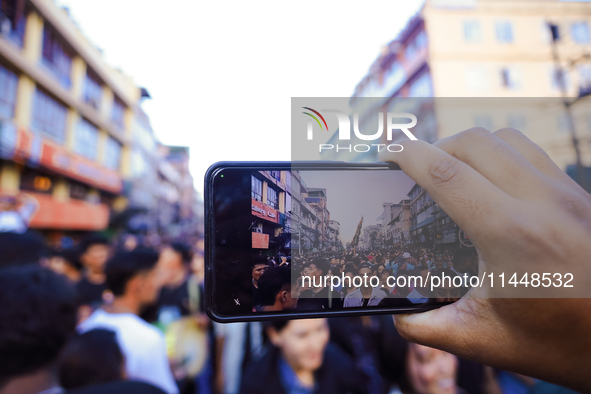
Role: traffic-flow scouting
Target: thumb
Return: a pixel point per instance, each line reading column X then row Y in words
column 454, row 328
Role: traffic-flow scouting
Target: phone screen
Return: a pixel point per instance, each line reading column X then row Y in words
column 350, row 239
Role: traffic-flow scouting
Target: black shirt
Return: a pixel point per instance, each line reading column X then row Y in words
column 89, row 293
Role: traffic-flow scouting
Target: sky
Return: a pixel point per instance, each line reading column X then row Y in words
column 352, row 194
column 222, row 73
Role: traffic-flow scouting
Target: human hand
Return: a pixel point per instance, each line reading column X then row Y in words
column 523, row 214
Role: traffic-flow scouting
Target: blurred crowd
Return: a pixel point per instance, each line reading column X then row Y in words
column 113, row 315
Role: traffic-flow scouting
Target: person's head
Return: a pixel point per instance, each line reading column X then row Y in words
column 133, row 274
column 94, row 252
column 465, row 260
column 276, row 288
column 258, row 266
column 380, row 269
column 93, row 357
column 439, row 261
column 301, row 342
column 37, row 317
column 21, row 249
column 431, row 371
column 175, row 258
column 318, row 267
column 67, row 262
column 447, row 292
column 420, row 369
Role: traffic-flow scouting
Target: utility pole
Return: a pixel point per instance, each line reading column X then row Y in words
column 560, row 76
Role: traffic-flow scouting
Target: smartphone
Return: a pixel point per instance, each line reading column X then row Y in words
column 320, row 239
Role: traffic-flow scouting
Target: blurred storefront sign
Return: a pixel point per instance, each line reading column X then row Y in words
column 260, row 241
column 263, row 211
column 69, row 215
column 35, row 149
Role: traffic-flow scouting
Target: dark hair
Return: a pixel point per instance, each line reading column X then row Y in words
column 258, row 260
column 364, row 265
column 72, row 257
column 183, row 250
column 37, row 317
column 272, row 281
column 321, row 264
column 21, row 249
column 90, row 358
column 356, row 260
column 278, row 325
column 123, row 266
column 90, row 240
column 349, row 267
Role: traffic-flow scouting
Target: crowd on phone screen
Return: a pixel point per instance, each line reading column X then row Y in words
column 122, row 316
column 305, row 283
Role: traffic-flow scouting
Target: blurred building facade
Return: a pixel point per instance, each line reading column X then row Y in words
column 485, row 48
column 72, row 132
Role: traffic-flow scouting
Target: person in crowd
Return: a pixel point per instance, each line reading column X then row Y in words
column 67, row 263
column 301, row 360
column 446, row 291
column 439, row 261
column 21, row 249
column 92, row 289
column 419, row 288
column 465, row 261
column 347, row 286
column 91, row 358
column 389, row 286
column 37, row 317
column 318, row 297
column 16, row 212
column 277, row 289
column 424, row 370
column 365, row 295
column 258, row 266
column 132, row 277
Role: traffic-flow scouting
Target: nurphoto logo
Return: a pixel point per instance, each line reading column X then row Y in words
column 344, row 129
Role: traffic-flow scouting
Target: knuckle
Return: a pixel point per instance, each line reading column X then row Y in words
column 474, row 132
column 509, row 132
column 444, row 170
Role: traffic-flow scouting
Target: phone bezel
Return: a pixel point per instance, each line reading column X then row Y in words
column 210, row 247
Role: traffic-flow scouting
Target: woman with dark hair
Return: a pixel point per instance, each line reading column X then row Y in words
column 300, row 360
column 420, row 369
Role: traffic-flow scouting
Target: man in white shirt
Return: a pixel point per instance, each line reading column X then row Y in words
column 365, row 295
column 132, row 277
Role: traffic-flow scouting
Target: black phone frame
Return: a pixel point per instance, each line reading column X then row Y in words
column 210, row 245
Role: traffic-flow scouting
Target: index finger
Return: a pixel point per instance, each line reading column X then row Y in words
column 471, row 200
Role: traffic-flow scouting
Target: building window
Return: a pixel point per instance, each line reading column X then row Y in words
column 517, row 121
column 118, row 113
column 49, row 116
column 579, row 32
column 13, row 26
column 112, row 154
column 8, row 83
column 421, row 87
column 87, row 138
column 504, row 32
column 472, row 32
column 93, row 91
column 56, row 57
column 272, row 199
column 483, row 121
column 256, row 189
column 509, row 78
column 477, row 78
